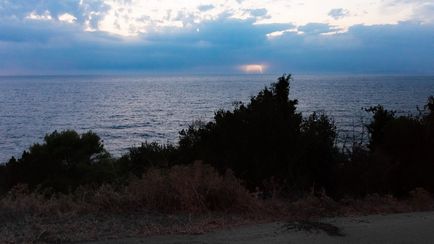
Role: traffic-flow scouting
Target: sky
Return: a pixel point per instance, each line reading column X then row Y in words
column 219, row 36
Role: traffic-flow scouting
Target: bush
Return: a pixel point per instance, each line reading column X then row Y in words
column 64, row 161
column 190, row 188
column 148, row 155
column 399, row 156
column 266, row 143
column 265, row 138
column 381, row 117
column 318, row 153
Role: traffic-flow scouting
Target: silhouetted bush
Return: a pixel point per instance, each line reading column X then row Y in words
column 398, row 158
column 148, row 155
column 381, row 117
column 266, row 138
column 318, row 153
column 64, row 161
column 266, row 143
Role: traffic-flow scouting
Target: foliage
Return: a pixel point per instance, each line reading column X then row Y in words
column 64, row 161
column 148, row 155
column 381, row 117
column 266, row 143
column 190, row 188
column 399, row 156
column 265, row 138
column 429, row 108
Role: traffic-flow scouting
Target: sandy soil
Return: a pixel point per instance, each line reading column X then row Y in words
column 395, row 228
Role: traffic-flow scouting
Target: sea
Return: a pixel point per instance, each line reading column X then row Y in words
column 127, row 110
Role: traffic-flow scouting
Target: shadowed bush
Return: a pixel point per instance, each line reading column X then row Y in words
column 266, row 138
column 266, row 143
column 398, row 158
column 64, row 161
column 148, row 155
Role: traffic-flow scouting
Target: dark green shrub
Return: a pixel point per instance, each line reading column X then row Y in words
column 64, row 161
column 148, row 155
column 428, row 118
column 399, row 158
column 381, row 117
column 265, row 138
column 318, row 152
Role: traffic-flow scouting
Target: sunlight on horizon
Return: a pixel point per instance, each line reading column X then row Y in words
column 253, row 68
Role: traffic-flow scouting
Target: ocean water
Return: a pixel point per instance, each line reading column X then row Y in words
column 128, row 110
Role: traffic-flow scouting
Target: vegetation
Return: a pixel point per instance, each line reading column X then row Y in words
column 399, row 155
column 266, row 145
column 266, row 138
column 182, row 199
column 63, row 162
column 263, row 160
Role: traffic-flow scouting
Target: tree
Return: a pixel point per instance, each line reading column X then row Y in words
column 264, row 138
column 64, row 161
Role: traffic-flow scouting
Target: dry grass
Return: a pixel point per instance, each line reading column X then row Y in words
column 196, row 188
column 182, row 199
column 418, row 200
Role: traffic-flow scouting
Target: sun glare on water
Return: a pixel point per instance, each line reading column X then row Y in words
column 253, row 68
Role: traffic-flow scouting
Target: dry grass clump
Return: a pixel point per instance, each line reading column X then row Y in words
column 418, row 200
column 198, row 189
column 421, row 200
column 318, row 205
column 182, row 199
column 372, row 204
column 195, row 188
column 21, row 201
column 314, row 205
column 192, row 188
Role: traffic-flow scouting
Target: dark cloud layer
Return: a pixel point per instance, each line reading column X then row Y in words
column 37, row 46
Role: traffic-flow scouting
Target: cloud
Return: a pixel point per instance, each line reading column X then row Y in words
column 338, row 13
column 35, row 16
column 59, row 47
column 421, row 10
column 111, row 36
column 134, row 17
column 260, row 12
column 424, row 12
column 222, row 46
column 67, row 18
column 407, row 47
column 20, row 9
column 316, row 28
column 205, row 7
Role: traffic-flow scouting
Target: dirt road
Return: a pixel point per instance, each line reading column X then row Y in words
column 396, row 228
